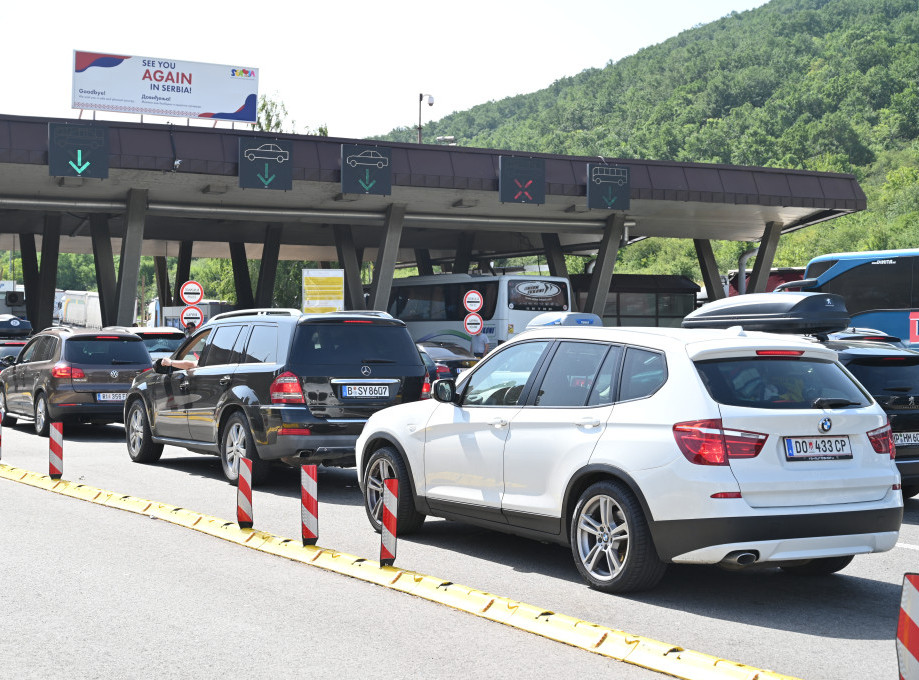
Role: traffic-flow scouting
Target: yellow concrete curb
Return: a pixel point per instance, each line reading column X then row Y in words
column 609, row 642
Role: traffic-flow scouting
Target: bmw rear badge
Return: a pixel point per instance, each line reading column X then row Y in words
column 365, row 371
column 826, row 425
column 114, row 374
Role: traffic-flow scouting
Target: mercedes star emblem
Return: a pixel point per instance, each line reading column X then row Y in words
column 365, row 370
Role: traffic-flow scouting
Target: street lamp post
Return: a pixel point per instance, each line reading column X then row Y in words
column 430, row 103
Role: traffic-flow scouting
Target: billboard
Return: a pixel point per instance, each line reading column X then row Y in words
column 323, row 290
column 164, row 87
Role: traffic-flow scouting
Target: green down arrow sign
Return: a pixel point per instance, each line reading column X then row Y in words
column 266, row 180
column 79, row 166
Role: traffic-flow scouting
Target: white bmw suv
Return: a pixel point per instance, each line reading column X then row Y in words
column 641, row 447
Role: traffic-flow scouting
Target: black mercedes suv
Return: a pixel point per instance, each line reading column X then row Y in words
column 274, row 385
column 67, row 374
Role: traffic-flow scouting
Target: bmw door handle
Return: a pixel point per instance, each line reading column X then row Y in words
column 224, row 381
column 588, row 422
column 498, row 422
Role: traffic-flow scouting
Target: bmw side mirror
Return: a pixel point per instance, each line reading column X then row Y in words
column 444, row 390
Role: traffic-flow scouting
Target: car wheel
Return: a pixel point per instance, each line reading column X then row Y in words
column 353, row 164
column 821, row 566
column 6, row 420
column 42, row 418
column 141, row 447
column 280, row 159
column 250, row 156
column 386, row 463
column 236, row 443
column 908, row 491
column 611, row 542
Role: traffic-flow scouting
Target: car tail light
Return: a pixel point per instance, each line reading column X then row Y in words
column 441, row 369
column 882, row 441
column 706, row 442
column 64, row 370
column 779, row 352
column 727, row 494
column 285, row 389
column 426, row 388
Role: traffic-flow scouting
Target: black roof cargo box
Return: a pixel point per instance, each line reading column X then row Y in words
column 786, row 312
column 13, row 326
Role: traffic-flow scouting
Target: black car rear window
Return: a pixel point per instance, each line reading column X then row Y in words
column 780, row 383
column 887, row 375
column 162, row 342
column 105, row 351
column 354, row 343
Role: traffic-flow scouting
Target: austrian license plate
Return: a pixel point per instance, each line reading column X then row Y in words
column 906, row 438
column 817, row 448
column 365, row 391
column 110, row 396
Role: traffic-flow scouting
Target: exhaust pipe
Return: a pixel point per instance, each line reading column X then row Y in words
column 739, row 559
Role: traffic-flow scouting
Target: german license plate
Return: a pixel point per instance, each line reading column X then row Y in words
column 817, row 448
column 906, row 438
column 365, row 391
column 110, row 396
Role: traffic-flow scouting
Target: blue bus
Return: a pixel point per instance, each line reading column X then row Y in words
column 881, row 288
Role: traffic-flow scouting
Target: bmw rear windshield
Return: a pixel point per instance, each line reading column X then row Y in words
column 354, row 342
column 780, row 383
column 108, row 350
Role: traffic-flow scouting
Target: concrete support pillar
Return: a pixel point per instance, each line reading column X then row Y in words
column 243, row 283
column 104, row 261
column 463, row 253
column 348, row 259
column 555, row 257
column 602, row 276
column 765, row 257
column 423, row 260
column 183, row 270
column 47, row 278
column 268, row 269
column 709, row 267
column 386, row 257
column 129, row 263
column 30, row 276
column 161, row 272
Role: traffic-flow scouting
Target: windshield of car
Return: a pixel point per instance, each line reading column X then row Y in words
column 780, row 383
column 354, row 343
column 107, row 350
column 162, row 343
column 887, row 375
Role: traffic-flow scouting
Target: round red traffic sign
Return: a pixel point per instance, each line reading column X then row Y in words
column 191, row 314
column 191, row 292
column 473, row 301
column 473, row 323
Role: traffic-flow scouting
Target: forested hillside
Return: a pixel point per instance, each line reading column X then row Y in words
column 813, row 84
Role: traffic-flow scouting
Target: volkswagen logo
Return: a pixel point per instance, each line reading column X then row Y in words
column 114, row 374
column 826, row 425
column 365, row 371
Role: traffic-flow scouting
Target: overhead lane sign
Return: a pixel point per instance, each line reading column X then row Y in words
column 522, row 180
column 265, row 164
column 78, row 150
column 608, row 187
column 366, row 169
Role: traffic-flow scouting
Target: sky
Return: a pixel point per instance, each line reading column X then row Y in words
column 357, row 67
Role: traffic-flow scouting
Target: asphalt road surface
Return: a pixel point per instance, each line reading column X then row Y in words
column 89, row 591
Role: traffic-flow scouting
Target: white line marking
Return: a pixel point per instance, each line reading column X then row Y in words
column 908, row 546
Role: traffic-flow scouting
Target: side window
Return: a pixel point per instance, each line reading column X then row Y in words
column 604, row 389
column 501, row 379
column 45, row 349
column 643, row 373
column 263, row 345
column 196, row 349
column 28, row 352
column 220, row 350
column 571, row 375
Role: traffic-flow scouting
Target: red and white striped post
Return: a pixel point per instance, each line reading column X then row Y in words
column 390, row 519
column 309, row 505
column 56, row 450
column 908, row 629
column 244, row 494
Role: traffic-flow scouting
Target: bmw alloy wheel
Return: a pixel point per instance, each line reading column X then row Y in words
column 602, row 538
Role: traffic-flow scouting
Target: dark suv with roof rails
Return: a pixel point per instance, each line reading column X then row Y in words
column 274, row 385
column 68, row 374
column 888, row 372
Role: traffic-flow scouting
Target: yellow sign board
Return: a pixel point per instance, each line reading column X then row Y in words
column 323, row 290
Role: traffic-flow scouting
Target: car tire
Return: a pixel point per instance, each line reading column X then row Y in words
column 821, row 566
column 236, row 442
column 611, row 542
column 42, row 417
column 908, row 491
column 383, row 464
column 6, row 420
column 139, row 439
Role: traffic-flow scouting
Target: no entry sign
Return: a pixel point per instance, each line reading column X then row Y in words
column 191, row 292
column 191, row 314
column 473, row 323
column 473, row 301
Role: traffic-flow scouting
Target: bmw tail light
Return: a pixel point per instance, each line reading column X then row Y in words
column 64, row 370
column 285, row 389
column 882, row 441
column 707, row 442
